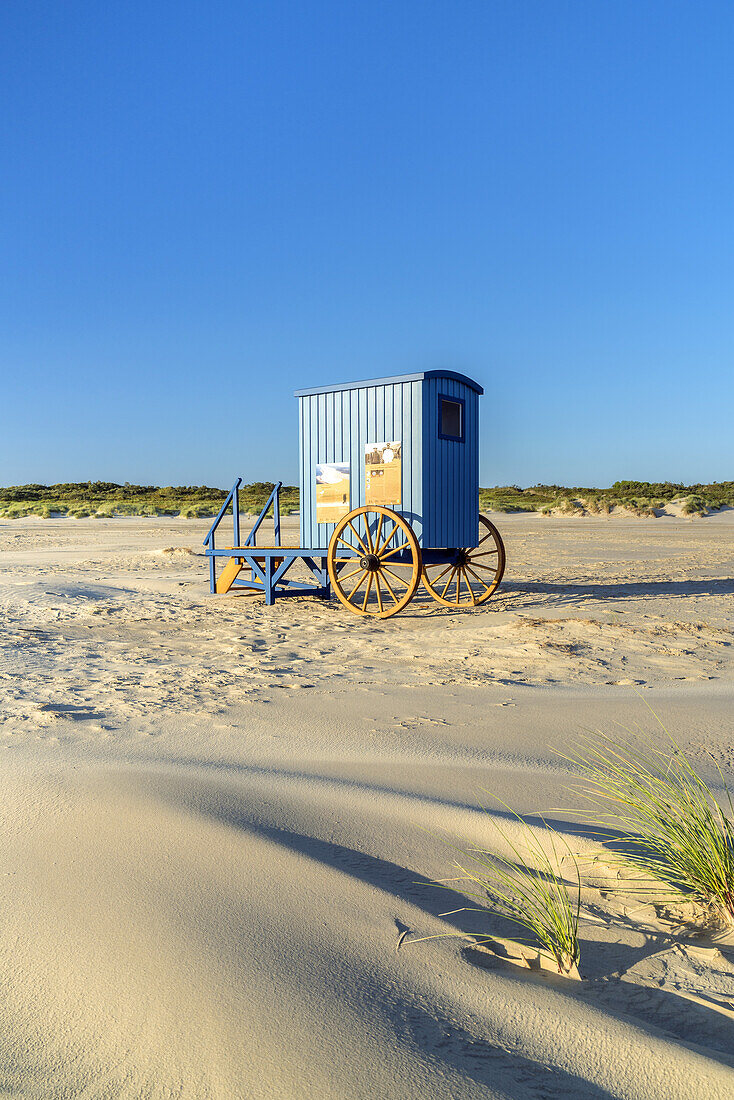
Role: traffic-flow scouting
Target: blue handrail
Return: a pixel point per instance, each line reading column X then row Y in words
column 233, row 494
column 273, row 499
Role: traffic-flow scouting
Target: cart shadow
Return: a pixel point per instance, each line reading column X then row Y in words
column 715, row 586
column 512, row 594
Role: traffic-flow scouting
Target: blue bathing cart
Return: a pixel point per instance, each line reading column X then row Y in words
column 389, row 491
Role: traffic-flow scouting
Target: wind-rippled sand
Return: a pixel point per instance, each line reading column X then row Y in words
column 220, row 820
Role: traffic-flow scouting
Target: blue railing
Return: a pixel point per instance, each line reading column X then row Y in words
column 268, row 565
column 273, row 499
column 233, row 498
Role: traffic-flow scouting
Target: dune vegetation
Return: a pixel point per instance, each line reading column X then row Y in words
column 104, row 499
column 642, row 498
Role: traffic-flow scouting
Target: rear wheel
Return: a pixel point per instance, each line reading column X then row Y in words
column 473, row 575
column 374, row 562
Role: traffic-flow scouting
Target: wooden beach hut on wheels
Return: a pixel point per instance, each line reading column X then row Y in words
column 389, row 495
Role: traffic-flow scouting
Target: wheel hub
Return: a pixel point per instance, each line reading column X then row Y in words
column 370, row 562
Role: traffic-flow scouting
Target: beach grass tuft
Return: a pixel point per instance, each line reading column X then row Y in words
column 527, row 887
column 694, row 505
column 663, row 818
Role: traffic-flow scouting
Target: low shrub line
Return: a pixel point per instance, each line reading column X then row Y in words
column 105, row 499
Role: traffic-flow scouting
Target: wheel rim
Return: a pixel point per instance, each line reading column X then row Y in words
column 374, row 562
column 475, row 573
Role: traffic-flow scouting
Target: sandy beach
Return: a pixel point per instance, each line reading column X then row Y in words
column 221, row 821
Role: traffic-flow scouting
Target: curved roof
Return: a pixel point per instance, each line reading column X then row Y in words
column 392, row 379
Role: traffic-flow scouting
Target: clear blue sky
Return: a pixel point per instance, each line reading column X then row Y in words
column 205, row 205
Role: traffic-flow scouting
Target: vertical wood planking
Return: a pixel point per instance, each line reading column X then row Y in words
column 372, row 435
column 388, row 419
column 349, row 447
column 459, row 478
column 362, row 433
column 473, row 502
column 321, row 421
column 330, row 428
column 307, row 475
column 338, row 455
column 440, row 478
column 414, row 443
column 301, row 464
column 431, row 456
column 403, row 429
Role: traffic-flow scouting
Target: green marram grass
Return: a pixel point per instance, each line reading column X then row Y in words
column 662, row 818
column 527, row 888
column 696, row 505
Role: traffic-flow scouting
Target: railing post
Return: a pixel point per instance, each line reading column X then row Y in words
column 276, row 514
column 269, row 586
column 222, row 510
column 236, row 515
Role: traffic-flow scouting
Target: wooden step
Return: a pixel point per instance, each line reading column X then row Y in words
column 228, row 575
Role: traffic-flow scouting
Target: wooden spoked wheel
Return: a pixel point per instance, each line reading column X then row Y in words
column 374, row 562
column 473, row 575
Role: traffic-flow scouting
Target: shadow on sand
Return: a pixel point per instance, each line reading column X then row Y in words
column 655, row 1012
column 714, row 586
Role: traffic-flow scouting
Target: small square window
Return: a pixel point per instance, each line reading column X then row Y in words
column 452, row 419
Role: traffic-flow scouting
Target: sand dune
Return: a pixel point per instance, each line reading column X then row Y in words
column 220, row 822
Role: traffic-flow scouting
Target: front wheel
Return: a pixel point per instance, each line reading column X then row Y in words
column 374, row 562
column 474, row 573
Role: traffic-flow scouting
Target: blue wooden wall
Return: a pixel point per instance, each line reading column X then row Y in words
column 440, row 477
column 450, row 468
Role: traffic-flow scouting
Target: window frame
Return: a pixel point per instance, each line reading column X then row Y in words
column 457, row 401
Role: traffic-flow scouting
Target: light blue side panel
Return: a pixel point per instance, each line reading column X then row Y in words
column 305, row 479
column 336, row 426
